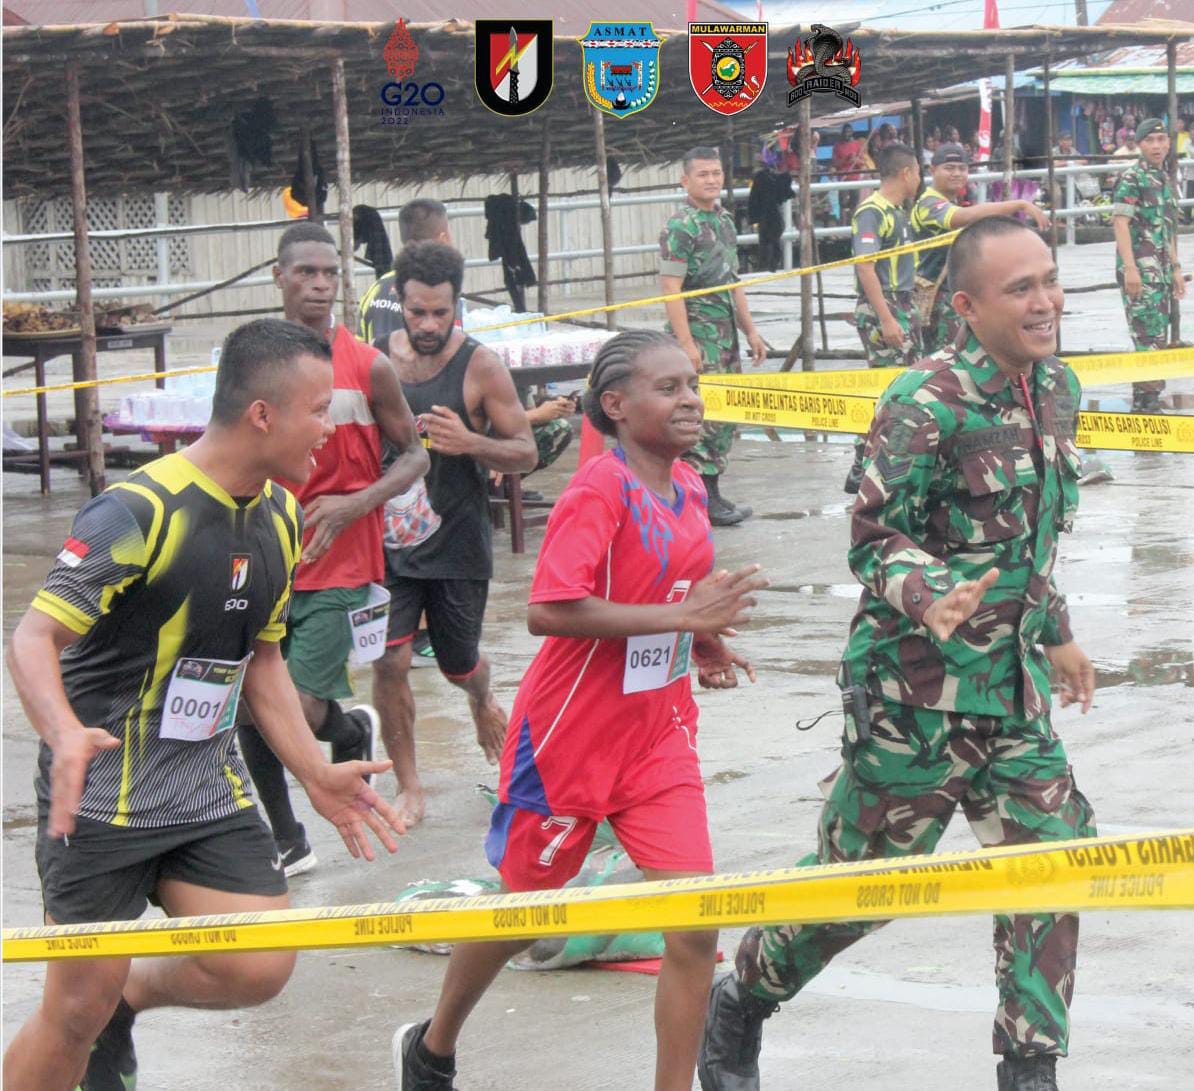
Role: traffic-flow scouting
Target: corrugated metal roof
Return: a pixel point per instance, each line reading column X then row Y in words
column 571, row 16
column 1108, row 82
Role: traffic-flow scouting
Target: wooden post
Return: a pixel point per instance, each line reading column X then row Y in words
column 807, row 358
column 348, row 300
column 607, row 230
column 918, row 132
column 727, row 165
column 544, row 179
column 1175, row 311
column 88, row 426
column 307, row 169
column 1009, row 127
column 1053, row 202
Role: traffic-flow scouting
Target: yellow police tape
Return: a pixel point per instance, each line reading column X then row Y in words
column 741, row 403
column 844, row 401
column 609, row 308
column 1139, row 872
column 1095, row 369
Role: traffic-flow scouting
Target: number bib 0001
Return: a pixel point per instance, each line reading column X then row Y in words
column 201, row 698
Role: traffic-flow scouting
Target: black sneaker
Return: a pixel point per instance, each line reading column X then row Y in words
column 112, row 1065
column 733, row 1037
column 413, row 1066
column 723, row 514
column 1037, row 1072
column 367, row 719
column 422, row 654
column 296, row 856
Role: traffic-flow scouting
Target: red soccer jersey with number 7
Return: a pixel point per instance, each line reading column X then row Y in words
column 599, row 725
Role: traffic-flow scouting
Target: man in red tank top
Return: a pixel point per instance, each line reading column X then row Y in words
column 342, row 506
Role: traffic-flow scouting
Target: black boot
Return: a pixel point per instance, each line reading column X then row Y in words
column 733, row 1037
column 721, row 512
column 854, row 477
column 1033, row 1073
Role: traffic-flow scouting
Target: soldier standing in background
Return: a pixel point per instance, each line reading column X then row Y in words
column 886, row 311
column 1144, row 220
column 971, row 474
column 699, row 249
column 936, row 212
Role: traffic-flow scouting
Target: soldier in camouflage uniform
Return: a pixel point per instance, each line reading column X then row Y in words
column 698, row 248
column 1144, row 220
column 886, row 310
column 935, row 213
column 971, row 475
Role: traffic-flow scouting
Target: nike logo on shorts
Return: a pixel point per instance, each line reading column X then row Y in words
column 276, row 863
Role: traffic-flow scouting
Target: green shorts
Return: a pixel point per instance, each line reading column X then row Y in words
column 319, row 638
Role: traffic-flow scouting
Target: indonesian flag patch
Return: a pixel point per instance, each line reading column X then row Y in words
column 73, row 552
column 866, row 238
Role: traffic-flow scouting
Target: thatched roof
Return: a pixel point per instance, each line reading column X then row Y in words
column 159, row 96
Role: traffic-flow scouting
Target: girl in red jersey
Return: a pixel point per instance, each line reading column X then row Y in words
column 604, row 724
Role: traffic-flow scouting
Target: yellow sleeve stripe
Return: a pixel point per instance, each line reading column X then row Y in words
column 275, row 630
column 159, row 511
column 63, row 612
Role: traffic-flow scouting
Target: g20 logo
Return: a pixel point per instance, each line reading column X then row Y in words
column 407, row 99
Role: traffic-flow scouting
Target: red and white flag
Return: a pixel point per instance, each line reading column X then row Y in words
column 983, row 151
column 73, row 552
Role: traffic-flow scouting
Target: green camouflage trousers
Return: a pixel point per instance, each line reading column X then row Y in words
column 551, row 438
column 944, row 323
column 717, row 338
column 878, row 352
column 1148, row 320
column 893, row 796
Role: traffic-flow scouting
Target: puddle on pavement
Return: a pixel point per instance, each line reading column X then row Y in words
column 1164, row 667
column 726, row 776
column 19, row 818
column 837, row 590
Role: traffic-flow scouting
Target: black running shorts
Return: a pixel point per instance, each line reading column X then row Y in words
column 455, row 610
column 103, row 872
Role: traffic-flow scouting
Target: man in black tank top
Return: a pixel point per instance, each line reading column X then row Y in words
column 471, row 420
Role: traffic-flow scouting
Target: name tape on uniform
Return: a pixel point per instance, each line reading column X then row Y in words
column 1141, row 872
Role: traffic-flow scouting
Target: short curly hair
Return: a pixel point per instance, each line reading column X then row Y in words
column 429, row 263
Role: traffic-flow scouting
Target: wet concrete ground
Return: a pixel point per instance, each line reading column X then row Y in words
column 906, row 1009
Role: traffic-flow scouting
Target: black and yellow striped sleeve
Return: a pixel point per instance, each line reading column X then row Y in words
column 288, row 525
column 105, row 554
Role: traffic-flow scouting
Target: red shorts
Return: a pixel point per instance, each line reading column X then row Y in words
column 532, row 851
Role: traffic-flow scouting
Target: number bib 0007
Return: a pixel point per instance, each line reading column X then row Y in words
column 655, row 661
column 201, row 698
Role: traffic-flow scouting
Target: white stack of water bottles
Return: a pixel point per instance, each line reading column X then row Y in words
column 184, row 404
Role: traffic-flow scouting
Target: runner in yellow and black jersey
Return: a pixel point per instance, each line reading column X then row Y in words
column 935, row 213
column 165, row 604
column 205, row 575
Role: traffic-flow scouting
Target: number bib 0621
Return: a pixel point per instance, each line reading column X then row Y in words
column 201, row 698
column 658, row 660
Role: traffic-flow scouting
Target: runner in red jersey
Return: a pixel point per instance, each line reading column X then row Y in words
column 604, row 725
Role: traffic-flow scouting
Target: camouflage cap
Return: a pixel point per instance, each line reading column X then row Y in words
column 950, row 153
column 1149, row 126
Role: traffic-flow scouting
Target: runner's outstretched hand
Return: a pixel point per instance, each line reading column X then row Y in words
column 722, row 600
column 340, row 795
column 716, row 661
column 73, row 751
column 960, row 604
